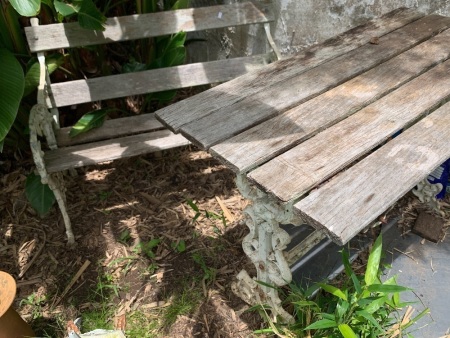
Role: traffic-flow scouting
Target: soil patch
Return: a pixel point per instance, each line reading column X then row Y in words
column 133, row 224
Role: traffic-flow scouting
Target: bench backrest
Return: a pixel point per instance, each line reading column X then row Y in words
column 68, row 35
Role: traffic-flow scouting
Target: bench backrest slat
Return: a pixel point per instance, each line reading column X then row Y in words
column 155, row 80
column 139, row 26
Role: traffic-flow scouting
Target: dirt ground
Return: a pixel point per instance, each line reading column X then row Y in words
column 143, row 248
column 116, row 209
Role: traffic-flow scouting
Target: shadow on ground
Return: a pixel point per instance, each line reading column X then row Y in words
column 119, row 211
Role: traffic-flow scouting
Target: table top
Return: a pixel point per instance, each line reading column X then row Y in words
column 316, row 129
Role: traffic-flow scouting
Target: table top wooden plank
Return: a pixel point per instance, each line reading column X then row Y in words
column 233, row 91
column 272, row 100
column 273, row 137
column 349, row 202
column 302, row 168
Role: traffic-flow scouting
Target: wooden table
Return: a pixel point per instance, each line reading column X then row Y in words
column 311, row 139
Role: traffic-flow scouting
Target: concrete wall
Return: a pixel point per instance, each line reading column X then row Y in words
column 299, row 24
column 302, row 23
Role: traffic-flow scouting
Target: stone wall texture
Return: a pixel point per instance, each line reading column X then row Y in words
column 301, row 23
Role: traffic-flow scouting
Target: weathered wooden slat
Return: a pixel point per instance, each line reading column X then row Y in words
column 300, row 169
column 269, row 139
column 150, row 81
column 110, row 129
column 233, row 91
column 139, row 26
column 229, row 121
column 351, row 201
column 92, row 153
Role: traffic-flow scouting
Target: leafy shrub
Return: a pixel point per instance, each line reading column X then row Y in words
column 363, row 306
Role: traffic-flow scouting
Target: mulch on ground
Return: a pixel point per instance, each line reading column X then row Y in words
column 116, row 208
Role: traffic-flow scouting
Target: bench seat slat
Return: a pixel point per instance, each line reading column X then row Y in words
column 110, row 129
column 239, row 88
column 229, row 121
column 97, row 152
column 139, row 26
column 300, row 169
column 155, row 80
column 351, row 201
column 248, row 149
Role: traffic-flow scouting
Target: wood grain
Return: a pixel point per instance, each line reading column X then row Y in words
column 150, row 81
column 110, row 129
column 273, row 137
column 139, row 26
column 275, row 99
column 97, row 152
column 233, row 91
column 352, row 200
column 300, row 169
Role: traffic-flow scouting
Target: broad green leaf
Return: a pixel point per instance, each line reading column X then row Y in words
column 32, row 75
column 349, row 272
column 89, row 16
column 11, row 32
column 174, row 57
column 370, row 318
column 373, row 263
column 341, row 309
column 65, row 9
column 328, row 316
column 39, row 195
column 180, row 4
column 395, row 300
column 89, row 121
column 374, row 305
column 133, row 66
column 310, row 291
column 11, row 90
column 333, row 290
column 176, row 40
column 347, row 331
column 387, row 288
column 321, row 324
column 26, row 7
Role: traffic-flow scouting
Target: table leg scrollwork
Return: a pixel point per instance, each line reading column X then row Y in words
column 264, row 245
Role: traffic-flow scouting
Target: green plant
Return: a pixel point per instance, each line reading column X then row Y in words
column 146, row 248
column 35, row 302
column 209, row 274
column 363, row 306
column 183, row 303
column 178, row 246
column 210, row 215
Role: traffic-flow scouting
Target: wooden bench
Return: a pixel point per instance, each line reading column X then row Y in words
column 134, row 135
column 310, row 137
